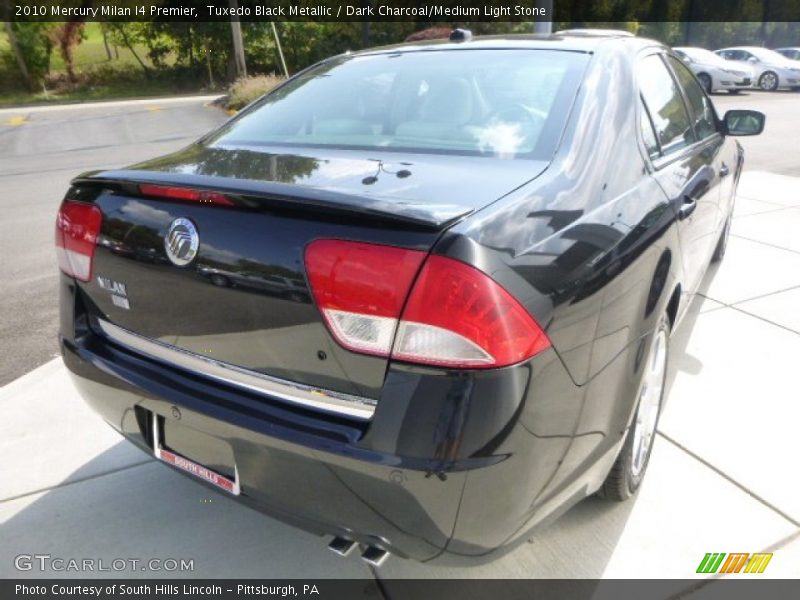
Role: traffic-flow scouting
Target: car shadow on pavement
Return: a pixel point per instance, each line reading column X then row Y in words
column 679, row 341
column 138, row 511
column 146, row 511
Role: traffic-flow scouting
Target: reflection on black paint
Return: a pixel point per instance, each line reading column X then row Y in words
column 449, row 429
column 254, row 277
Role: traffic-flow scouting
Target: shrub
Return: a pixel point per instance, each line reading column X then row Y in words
column 246, row 89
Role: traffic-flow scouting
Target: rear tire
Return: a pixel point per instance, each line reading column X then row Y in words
column 629, row 469
column 705, row 81
column 722, row 244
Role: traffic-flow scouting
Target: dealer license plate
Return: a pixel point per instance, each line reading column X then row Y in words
column 194, row 468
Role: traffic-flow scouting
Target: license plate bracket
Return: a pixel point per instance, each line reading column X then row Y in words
column 190, row 466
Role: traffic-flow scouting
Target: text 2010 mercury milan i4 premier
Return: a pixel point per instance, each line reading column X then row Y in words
column 419, row 297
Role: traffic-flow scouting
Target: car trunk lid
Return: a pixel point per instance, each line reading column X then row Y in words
column 243, row 300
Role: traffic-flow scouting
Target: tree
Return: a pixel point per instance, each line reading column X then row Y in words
column 67, row 36
column 30, row 50
column 23, row 68
column 128, row 35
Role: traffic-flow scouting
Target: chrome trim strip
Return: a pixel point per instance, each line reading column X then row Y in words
column 289, row 391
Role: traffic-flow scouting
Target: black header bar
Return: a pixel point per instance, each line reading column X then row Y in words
column 433, row 11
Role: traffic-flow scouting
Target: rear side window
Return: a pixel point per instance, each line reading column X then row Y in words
column 665, row 105
column 705, row 123
column 734, row 54
column 497, row 103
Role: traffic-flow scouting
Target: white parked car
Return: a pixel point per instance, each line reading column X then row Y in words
column 773, row 70
column 714, row 72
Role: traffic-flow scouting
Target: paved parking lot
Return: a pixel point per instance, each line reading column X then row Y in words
column 723, row 476
column 41, row 149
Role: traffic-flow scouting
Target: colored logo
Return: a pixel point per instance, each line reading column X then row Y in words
column 719, row 562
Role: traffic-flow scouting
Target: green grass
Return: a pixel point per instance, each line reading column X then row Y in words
column 91, row 51
column 110, row 91
column 118, row 78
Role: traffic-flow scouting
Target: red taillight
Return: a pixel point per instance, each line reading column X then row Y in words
column 77, row 228
column 455, row 315
column 185, row 194
column 360, row 289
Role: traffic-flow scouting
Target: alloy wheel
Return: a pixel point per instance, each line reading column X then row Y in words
column 650, row 396
column 768, row 81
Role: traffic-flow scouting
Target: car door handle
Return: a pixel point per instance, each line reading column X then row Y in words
column 687, row 207
column 724, row 170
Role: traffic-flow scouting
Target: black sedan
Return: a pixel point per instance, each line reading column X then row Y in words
column 487, row 243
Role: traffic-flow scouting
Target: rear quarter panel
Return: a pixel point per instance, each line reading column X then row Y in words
column 590, row 248
column 580, row 244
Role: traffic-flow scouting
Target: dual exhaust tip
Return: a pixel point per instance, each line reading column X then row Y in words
column 372, row 555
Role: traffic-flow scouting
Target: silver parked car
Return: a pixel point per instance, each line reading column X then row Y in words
column 595, row 32
column 773, row 70
column 714, row 72
column 792, row 53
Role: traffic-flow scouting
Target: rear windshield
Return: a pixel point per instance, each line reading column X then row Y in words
column 498, row 103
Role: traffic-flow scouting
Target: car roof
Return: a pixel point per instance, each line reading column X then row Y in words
column 595, row 32
column 575, row 42
column 743, row 48
column 690, row 49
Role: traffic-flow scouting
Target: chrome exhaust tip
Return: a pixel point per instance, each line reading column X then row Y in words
column 374, row 556
column 341, row 546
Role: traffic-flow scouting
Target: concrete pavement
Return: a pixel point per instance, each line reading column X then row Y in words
column 722, row 477
column 11, row 112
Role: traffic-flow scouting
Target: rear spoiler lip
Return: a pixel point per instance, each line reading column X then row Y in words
column 429, row 216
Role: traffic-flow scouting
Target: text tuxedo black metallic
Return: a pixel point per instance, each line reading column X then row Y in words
column 417, row 297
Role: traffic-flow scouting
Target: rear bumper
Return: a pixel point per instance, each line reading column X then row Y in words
column 321, row 492
column 324, row 492
column 452, row 467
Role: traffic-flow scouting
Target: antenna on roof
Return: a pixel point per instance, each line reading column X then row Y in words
column 460, row 35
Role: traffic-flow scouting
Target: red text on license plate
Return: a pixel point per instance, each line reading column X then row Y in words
column 197, row 470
